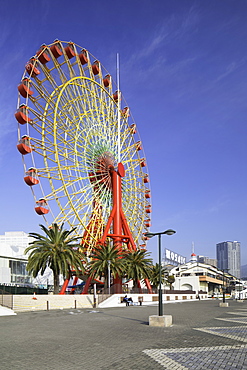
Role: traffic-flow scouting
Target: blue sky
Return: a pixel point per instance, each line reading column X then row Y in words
column 183, row 74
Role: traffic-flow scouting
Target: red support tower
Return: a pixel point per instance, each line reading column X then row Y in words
column 121, row 231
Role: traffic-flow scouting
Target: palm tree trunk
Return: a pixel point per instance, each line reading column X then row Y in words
column 56, row 282
column 106, row 280
column 135, row 285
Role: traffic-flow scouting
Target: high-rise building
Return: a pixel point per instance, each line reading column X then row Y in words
column 228, row 257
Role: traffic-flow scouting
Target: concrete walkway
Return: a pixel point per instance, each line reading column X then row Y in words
column 203, row 336
column 4, row 311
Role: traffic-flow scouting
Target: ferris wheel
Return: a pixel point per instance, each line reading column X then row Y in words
column 74, row 131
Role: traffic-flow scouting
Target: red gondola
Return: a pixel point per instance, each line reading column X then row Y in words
column 107, row 80
column 143, row 163
column 83, row 57
column 43, row 57
column 146, row 179
column 24, row 88
column 133, row 128
column 147, row 194
column 143, row 246
column 138, row 145
column 22, row 114
column 56, row 50
column 24, row 145
column 42, row 207
column 95, row 67
column 115, row 96
column 147, row 222
column 125, row 112
column 69, row 50
column 31, row 177
column 31, row 69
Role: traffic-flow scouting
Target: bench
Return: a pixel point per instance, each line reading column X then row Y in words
column 140, row 300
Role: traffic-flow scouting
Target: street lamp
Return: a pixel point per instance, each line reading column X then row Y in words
column 109, row 277
column 224, row 288
column 150, row 235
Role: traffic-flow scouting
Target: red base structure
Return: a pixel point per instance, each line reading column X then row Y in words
column 121, row 232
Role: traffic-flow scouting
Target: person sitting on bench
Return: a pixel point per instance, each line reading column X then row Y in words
column 127, row 300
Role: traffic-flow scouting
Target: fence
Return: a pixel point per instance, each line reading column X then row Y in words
column 6, row 299
column 115, row 289
column 22, row 290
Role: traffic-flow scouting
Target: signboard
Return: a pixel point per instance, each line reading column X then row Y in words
column 174, row 258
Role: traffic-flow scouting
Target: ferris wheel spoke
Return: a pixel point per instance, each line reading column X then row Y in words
column 49, row 81
column 133, row 165
column 57, row 71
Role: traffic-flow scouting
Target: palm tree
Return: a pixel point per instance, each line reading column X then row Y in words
column 155, row 275
column 104, row 256
column 170, row 280
column 57, row 250
column 138, row 265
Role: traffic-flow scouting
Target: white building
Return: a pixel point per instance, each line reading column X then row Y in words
column 198, row 277
column 13, row 261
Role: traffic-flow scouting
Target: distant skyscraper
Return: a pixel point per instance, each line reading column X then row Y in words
column 228, row 257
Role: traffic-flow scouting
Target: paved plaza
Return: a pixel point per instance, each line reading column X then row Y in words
column 203, row 336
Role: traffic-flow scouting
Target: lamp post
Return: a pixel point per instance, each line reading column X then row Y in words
column 109, row 277
column 224, row 288
column 239, row 291
column 150, row 235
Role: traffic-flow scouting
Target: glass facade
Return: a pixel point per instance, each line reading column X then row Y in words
column 19, row 273
column 13, row 260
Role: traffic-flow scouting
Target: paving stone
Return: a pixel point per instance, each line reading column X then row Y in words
column 121, row 339
column 200, row 358
column 241, row 320
column 237, row 333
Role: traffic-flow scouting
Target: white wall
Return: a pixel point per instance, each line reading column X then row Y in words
column 148, row 299
column 5, row 276
column 181, row 282
column 39, row 302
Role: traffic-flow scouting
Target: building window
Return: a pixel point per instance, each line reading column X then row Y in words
column 19, row 274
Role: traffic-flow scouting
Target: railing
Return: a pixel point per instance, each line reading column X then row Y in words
column 115, row 289
column 102, row 297
column 6, row 299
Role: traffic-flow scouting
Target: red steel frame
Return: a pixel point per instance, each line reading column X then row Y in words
column 121, row 232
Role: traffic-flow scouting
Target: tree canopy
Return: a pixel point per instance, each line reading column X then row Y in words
column 103, row 258
column 155, row 275
column 57, row 249
column 138, row 265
